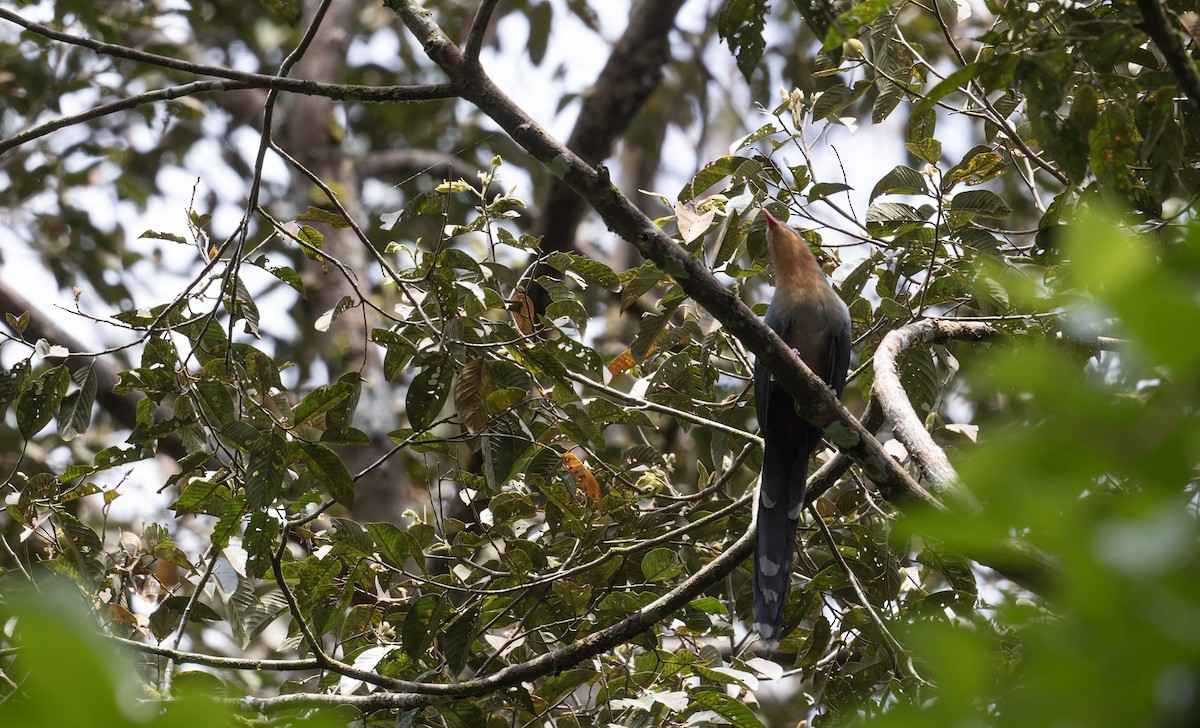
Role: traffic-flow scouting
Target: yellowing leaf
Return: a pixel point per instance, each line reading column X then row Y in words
column 623, row 363
column 583, row 477
column 523, row 312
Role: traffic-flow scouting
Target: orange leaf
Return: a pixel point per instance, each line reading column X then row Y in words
column 523, row 313
column 623, row 363
column 583, row 477
column 117, row 613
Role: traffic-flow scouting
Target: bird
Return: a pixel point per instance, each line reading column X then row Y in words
column 811, row 318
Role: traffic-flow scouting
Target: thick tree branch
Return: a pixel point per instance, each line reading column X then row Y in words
column 1016, row 560
column 633, row 71
column 815, row 401
column 906, row 425
column 1158, row 27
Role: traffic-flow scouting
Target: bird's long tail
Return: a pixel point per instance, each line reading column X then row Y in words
column 781, row 499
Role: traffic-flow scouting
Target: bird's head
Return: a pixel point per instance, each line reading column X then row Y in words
column 795, row 265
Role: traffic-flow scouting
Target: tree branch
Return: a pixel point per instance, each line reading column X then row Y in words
column 906, row 425
column 340, row 92
column 123, row 408
column 816, row 402
column 1015, row 559
column 633, row 71
column 479, row 26
column 559, row 659
column 150, row 97
column 1156, row 25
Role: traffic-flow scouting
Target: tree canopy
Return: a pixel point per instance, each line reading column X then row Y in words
column 367, row 393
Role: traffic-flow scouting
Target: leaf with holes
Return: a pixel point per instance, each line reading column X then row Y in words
column 428, row 393
column 264, row 471
column 741, row 25
column 38, row 403
column 583, row 477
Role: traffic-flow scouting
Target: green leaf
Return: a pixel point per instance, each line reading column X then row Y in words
column 890, row 96
column 426, row 203
column 316, row 214
column 984, row 203
column 948, row 85
column 39, row 401
column 262, row 528
column 169, row 237
column 471, row 390
column 12, row 383
column 831, row 101
column 886, row 212
column 428, row 393
column 422, row 623
column 730, row 709
column 741, row 25
column 288, row 276
column 325, row 320
column 900, row 181
column 330, row 471
column 717, row 170
column 927, row 150
column 821, row 190
column 311, row 240
column 250, row 613
column 390, row 542
column 75, row 414
column 324, row 399
column 661, row 564
column 851, row 21
column 637, row 282
column 458, row 637
column 264, row 471
column 593, row 270
column 215, row 402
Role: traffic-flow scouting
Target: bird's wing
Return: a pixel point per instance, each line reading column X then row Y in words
column 764, row 382
column 838, row 357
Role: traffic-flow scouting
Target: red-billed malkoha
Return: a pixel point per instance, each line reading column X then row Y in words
column 810, row 317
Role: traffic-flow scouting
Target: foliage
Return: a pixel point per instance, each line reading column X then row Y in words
column 576, row 431
column 1103, row 475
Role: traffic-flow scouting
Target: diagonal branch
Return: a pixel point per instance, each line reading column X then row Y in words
column 479, row 26
column 1156, row 25
column 582, row 649
column 815, row 401
column 633, row 71
column 150, row 97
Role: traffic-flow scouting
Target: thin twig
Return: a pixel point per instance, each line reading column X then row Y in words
column 337, row 91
